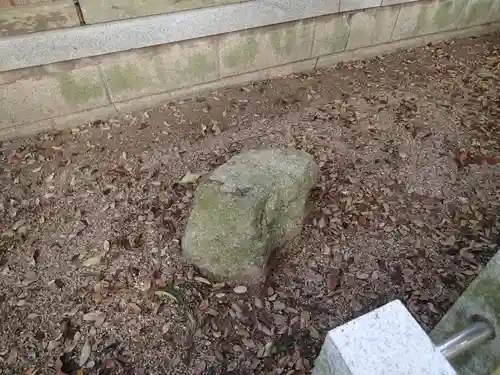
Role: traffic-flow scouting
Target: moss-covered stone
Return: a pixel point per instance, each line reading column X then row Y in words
column 247, row 208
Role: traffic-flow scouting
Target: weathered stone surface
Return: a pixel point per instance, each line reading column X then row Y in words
column 157, row 70
column 246, row 208
column 264, row 48
column 372, row 26
column 421, row 18
column 387, row 340
column 95, row 11
column 481, row 298
column 28, row 19
column 53, row 95
column 5, row 117
column 476, row 12
column 330, row 34
column 328, row 61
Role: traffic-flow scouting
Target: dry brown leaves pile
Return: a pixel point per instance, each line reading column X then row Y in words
column 91, row 273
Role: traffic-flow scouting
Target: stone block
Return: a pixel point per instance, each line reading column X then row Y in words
column 245, row 209
column 166, row 68
column 95, row 11
column 372, row 26
column 5, row 4
column 475, row 12
column 29, row 19
column 422, row 18
column 387, row 340
column 348, row 5
column 264, row 48
column 53, row 95
column 330, row 34
column 481, row 298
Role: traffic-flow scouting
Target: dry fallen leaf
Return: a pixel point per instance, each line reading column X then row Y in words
column 134, row 308
column 85, row 353
column 92, row 261
column 190, row 178
column 95, row 316
column 240, row 289
column 169, row 292
column 29, row 278
column 362, row 275
column 202, row 280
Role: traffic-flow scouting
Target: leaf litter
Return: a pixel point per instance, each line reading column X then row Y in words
column 406, row 207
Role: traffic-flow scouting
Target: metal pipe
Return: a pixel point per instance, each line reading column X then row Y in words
column 469, row 338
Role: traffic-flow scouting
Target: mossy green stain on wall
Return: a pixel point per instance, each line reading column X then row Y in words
column 126, row 77
column 447, row 13
column 340, row 34
column 243, row 54
column 79, row 91
column 284, row 41
column 199, row 66
column 476, row 13
column 438, row 16
column 331, row 37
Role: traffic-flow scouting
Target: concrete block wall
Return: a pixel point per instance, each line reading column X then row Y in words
column 69, row 93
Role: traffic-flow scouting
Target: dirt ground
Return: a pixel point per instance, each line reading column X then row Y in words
column 91, row 270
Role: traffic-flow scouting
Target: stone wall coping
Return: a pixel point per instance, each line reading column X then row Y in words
column 53, row 46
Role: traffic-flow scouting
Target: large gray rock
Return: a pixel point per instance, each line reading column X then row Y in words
column 247, row 207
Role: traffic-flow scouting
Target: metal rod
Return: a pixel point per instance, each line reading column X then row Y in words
column 463, row 341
